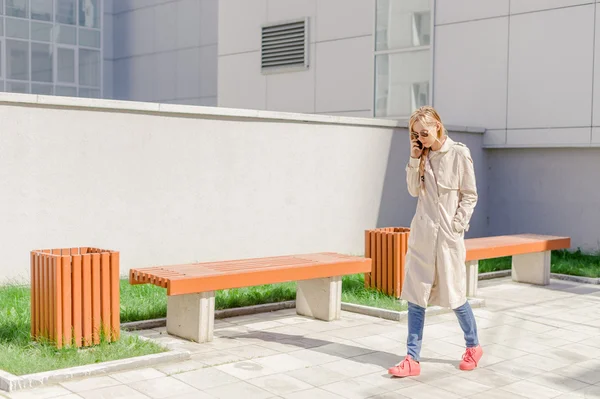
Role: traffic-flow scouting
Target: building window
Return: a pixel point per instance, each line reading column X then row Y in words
column 402, row 57
column 51, row 47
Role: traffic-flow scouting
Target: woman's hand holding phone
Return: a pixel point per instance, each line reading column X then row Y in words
column 416, row 147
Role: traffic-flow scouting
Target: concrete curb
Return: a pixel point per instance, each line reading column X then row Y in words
column 565, row 277
column 10, row 382
column 219, row 314
column 491, row 275
column 576, row 279
column 399, row 316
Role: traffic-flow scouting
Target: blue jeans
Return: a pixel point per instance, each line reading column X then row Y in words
column 416, row 322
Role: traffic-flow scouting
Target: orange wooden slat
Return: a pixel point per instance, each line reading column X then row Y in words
column 373, row 256
column 384, row 263
column 401, row 248
column 58, row 297
column 115, row 301
column 67, row 326
column 378, row 260
column 51, row 298
column 367, row 255
column 32, row 294
column 77, row 314
column 86, row 283
column 105, row 293
column 390, row 263
column 44, row 296
column 96, row 298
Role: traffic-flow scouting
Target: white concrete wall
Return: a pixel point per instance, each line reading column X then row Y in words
column 546, row 191
column 166, row 183
column 524, row 70
column 165, row 51
column 339, row 80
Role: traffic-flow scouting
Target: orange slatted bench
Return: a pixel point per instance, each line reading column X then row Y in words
column 191, row 287
column 530, row 256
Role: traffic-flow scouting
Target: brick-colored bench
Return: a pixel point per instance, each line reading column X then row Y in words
column 530, row 256
column 191, row 288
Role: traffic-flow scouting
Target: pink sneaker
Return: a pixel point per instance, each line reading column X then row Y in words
column 471, row 358
column 406, row 368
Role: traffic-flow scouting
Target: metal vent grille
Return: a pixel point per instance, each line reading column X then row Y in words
column 284, row 45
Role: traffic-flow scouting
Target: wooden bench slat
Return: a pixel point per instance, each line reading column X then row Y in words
column 499, row 246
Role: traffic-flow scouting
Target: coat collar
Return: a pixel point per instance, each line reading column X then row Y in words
column 449, row 143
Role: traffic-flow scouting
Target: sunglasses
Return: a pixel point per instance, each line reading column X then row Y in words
column 416, row 135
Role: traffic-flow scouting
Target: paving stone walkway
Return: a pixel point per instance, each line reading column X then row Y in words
column 539, row 342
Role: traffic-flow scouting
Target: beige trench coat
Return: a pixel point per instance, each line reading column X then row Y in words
column 435, row 272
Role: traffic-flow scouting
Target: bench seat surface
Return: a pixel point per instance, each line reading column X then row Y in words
column 518, row 244
column 211, row 276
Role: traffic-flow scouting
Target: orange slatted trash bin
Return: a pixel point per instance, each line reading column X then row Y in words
column 386, row 247
column 75, row 296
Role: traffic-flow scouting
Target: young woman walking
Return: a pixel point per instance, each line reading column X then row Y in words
column 440, row 173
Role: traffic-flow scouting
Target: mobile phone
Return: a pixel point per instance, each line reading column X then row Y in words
column 420, row 145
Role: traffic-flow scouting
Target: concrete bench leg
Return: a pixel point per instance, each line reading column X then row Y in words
column 191, row 316
column 320, row 298
column 531, row 268
column 472, row 278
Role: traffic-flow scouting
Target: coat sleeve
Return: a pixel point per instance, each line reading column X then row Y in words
column 467, row 192
column 412, row 177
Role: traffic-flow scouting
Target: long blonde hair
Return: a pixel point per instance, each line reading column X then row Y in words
column 428, row 116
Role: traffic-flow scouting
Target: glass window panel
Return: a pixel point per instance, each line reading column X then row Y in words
column 42, row 89
column 1, row 71
column 1, row 26
column 66, row 91
column 65, row 65
column 17, row 8
column 1, row 7
column 89, row 68
column 89, row 38
column 18, row 28
column 17, row 87
column 41, row 62
column 41, row 10
column 89, row 13
column 402, row 82
column 89, row 93
column 41, row 31
column 65, row 34
column 402, row 24
column 65, row 11
column 17, row 60
column 1, row 85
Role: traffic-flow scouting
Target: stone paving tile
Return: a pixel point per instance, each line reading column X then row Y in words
column 353, row 388
column 280, row 384
column 539, row 342
column 239, row 390
column 317, row 376
column 179, row 367
column 114, row 392
column 39, row 393
column 314, row 393
column 206, row 378
column 246, row 370
column 90, row 383
column 127, row 377
column 163, row 387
